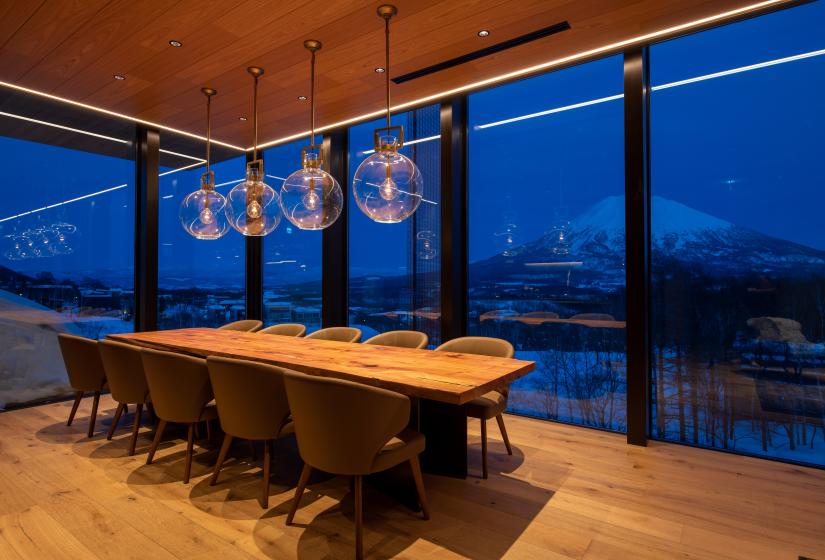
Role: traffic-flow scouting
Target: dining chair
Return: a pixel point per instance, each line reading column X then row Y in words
column 85, row 370
column 339, row 334
column 401, row 339
column 181, row 393
column 246, row 325
column 285, row 329
column 492, row 404
column 351, row 429
column 127, row 382
column 252, row 405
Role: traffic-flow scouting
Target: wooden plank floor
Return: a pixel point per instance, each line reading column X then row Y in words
column 565, row 493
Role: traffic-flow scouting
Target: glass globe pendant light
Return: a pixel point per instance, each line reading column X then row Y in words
column 202, row 212
column 388, row 185
column 311, row 198
column 253, row 207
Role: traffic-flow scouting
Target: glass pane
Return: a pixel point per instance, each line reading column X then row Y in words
column 201, row 283
column 738, row 248
column 292, row 256
column 547, row 238
column 67, row 257
column 394, row 269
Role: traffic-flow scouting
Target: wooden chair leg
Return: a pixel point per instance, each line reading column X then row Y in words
column 302, row 483
column 190, row 443
column 252, row 449
column 359, row 517
column 78, row 396
column 419, row 486
column 156, row 441
column 115, row 420
column 267, row 460
column 93, row 417
column 227, row 442
column 209, row 431
column 483, row 448
column 500, row 420
column 135, row 428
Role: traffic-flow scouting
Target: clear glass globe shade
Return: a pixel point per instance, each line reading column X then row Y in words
column 311, row 198
column 387, row 185
column 202, row 214
column 253, row 208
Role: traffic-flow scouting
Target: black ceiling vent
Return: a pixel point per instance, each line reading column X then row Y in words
column 498, row 47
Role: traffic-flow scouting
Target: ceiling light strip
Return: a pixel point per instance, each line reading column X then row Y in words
column 56, row 204
column 184, row 168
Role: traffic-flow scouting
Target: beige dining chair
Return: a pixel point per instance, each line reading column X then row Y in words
column 285, row 329
column 127, row 382
column 252, row 405
column 351, row 429
column 246, row 325
column 85, row 370
column 181, row 393
column 400, row 339
column 492, row 404
column 339, row 334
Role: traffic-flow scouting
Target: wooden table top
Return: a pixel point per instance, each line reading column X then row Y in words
column 442, row 376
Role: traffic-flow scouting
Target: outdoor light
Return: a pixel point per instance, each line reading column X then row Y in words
column 202, row 212
column 387, row 185
column 311, row 198
column 253, row 207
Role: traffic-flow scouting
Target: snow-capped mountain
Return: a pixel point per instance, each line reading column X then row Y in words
column 595, row 242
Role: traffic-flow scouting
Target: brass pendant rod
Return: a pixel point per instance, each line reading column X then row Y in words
column 208, row 130
column 255, row 119
column 312, row 99
column 387, row 65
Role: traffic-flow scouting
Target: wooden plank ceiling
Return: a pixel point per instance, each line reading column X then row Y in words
column 72, row 49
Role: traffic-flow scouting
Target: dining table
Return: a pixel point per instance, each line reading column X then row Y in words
column 439, row 384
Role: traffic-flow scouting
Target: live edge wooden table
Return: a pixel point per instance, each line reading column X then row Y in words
column 440, row 382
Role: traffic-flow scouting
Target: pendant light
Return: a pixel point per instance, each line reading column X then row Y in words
column 388, row 185
column 202, row 212
column 311, row 198
column 253, row 207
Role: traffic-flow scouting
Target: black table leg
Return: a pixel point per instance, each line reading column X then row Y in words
column 445, row 427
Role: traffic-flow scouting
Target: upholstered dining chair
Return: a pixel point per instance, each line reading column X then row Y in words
column 246, row 325
column 351, row 429
column 86, row 373
column 285, row 329
column 401, row 339
column 127, row 382
column 492, row 404
column 340, row 334
column 252, row 405
column 181, row 393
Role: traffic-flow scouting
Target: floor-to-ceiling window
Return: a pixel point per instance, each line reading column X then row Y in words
column 394, row 268
column 547, row 237
column 738, row 246
column 201, row 283
column 67, row 260
column 292, row 256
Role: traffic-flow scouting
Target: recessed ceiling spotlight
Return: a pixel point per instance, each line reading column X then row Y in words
column 241, row 118
column 176, row 44
column 120, row 77
column 379, row 70
column 483, row 33
column 302, row 98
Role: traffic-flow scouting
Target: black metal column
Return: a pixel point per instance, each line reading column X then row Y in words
column 453, row 248
column 254, row 269
column 147, row 146
column 637, row 224
column 335, row 267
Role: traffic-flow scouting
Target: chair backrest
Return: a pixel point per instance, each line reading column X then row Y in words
column 124, row 371
column 285, row 329
column 482, row 345
column 340, row 334
column 593, row 317
column 82, row 361
column 402, row 339
column 247, row 325
column 340, row 425
column 250, row 397
column 179, row 385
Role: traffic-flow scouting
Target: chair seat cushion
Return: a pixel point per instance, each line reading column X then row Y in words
column 488, row 405
column 402, row 447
